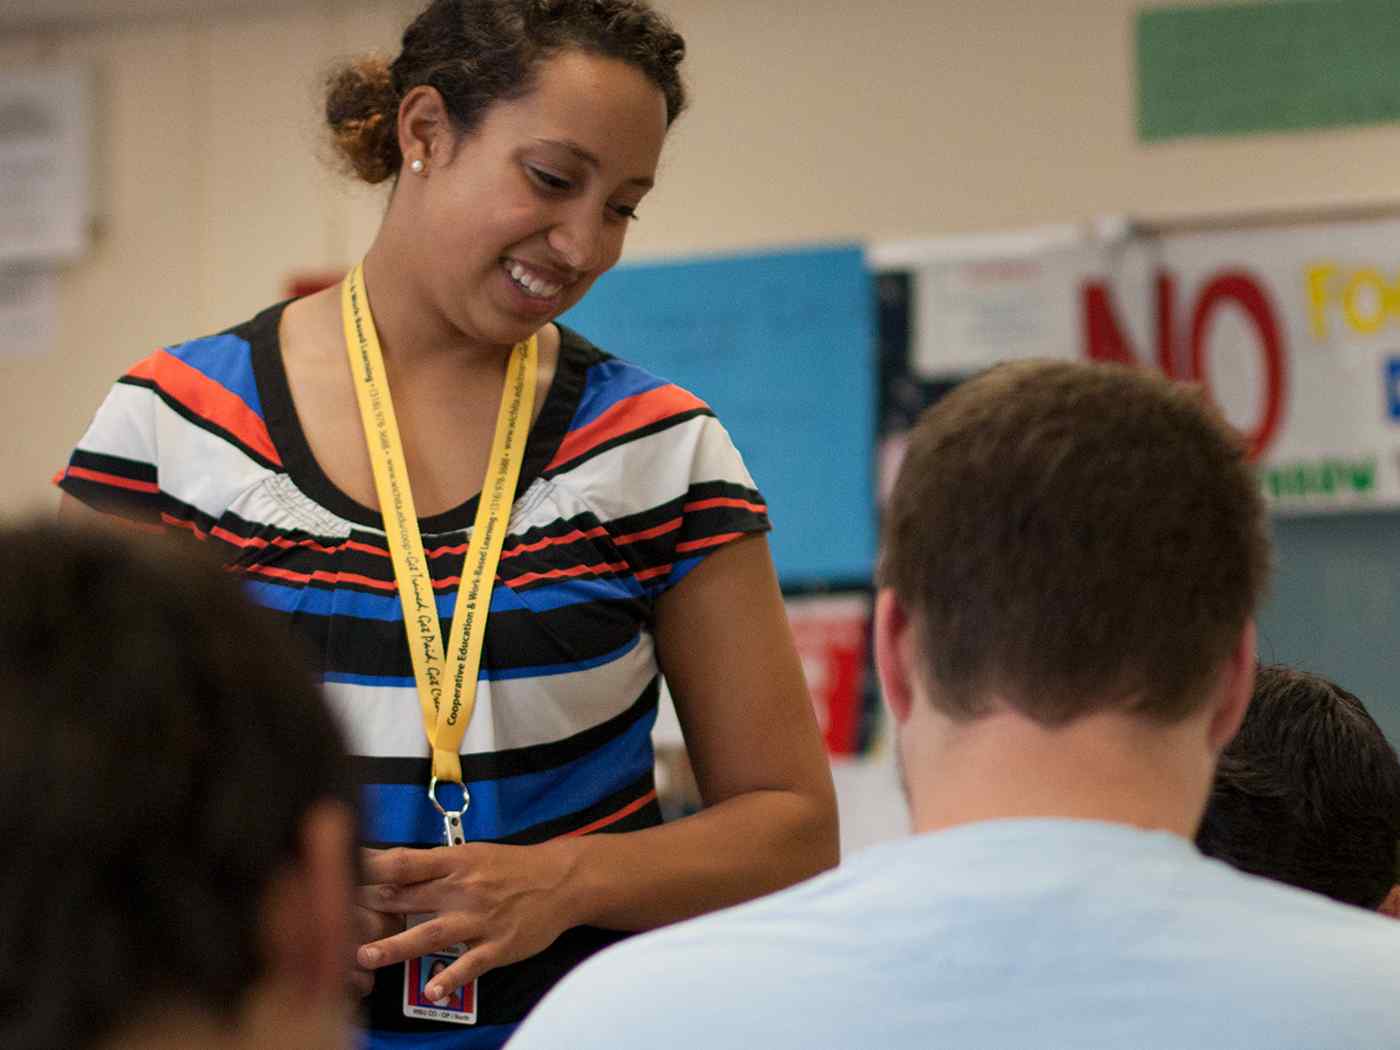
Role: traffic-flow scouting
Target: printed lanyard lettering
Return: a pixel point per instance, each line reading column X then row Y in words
column 446, row 677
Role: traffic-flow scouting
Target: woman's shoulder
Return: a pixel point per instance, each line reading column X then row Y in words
column 610, row 379
column 227, row 356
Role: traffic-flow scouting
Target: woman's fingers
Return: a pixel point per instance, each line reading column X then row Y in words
column 397, row 901
column 371, row 925
column 427, row 937
column 466, row 969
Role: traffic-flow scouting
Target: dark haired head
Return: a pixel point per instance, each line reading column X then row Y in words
column 478, row 52
column 160, row 747
column 1308, row 792
column 1069, row 537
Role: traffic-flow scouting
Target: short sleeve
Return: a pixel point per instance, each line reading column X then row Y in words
column 659, row 472
column 177, row 439
column 717, row 504
column 114, row 468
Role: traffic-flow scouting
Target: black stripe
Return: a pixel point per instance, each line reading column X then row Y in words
column 132, row 469
column 143, row 507
column 646, row 816
column 514, row 639
column 515, row 761
column 622, row 439
column 194, row 418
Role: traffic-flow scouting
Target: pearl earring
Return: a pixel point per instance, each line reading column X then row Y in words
column 416, row 165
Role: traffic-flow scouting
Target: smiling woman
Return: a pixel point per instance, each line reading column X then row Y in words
column 333, row 450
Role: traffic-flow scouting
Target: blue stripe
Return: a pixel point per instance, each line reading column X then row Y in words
column 401, row 813
column 322, row 601
column 491, row 674
column 609, row 383
column 679, row 571
column 467, row 1037
column 225, row 359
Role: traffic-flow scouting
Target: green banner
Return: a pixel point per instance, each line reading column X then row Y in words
column 1234, row 69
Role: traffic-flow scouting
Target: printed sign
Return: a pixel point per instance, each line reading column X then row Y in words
column 1293, row 330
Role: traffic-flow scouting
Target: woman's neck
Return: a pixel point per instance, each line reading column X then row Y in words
column 411, row 329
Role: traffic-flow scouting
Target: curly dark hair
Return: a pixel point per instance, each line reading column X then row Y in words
column 476, row 52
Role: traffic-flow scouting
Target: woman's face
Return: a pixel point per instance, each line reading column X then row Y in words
column 519, row 218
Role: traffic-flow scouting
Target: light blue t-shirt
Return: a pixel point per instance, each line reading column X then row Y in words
column 1003, row 934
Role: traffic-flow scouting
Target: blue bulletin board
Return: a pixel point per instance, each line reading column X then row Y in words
column 782, row 347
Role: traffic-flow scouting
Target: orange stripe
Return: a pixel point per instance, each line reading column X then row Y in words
column 115, row 480
column 208, row 399
column 720, row 501
column 650, row 574
column 180, row 523
column 280, row 542
column 324, row 577
column 652, row 533
column 552, row 541
column 612, row 818
column 560, row 574
column 631, row 413
column 709, row 541
column 341, row 577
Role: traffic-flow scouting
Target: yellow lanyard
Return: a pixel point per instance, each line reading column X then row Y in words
column 446, row 687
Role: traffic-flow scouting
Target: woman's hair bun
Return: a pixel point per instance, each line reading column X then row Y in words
column 362, row 109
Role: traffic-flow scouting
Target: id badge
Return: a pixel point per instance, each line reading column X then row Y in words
column 457, row 1008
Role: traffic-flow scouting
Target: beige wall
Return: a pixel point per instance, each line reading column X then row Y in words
column 813, row 120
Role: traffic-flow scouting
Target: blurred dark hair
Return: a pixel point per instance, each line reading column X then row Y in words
column 476, row 52
column 1070, row 537
column 160, row 746
column 1308, row 792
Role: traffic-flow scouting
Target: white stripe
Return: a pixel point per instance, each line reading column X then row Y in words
column 386, row 722
column 655, row 469
column 123, row 425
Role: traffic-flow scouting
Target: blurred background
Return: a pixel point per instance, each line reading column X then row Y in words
column 919, row 135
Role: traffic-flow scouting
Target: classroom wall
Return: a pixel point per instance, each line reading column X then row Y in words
column 813, row 120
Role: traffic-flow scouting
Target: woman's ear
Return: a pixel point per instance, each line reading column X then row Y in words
column 425, row 127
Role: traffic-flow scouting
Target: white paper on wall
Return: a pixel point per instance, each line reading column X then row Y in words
column 28, row 310
column 45, row 178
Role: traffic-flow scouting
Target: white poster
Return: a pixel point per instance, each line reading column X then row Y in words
column 1293, row 329
column 45, row 198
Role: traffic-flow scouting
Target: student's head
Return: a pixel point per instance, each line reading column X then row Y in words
column 523, row 135
column 175, row 804
column 1308, row 792
column 1066, row 539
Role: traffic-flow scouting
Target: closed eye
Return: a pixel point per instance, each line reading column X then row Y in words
column 625, row 211
column 549, row 180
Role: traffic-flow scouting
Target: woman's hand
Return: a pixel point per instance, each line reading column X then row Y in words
column 504, row 903
column 371, row 925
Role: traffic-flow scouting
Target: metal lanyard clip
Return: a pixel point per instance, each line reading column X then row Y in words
column 452, row 832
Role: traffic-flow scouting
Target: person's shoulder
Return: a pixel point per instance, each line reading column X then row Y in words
column 225, row 357
column 616, row 378
column 659, row 985
column 1302, row 937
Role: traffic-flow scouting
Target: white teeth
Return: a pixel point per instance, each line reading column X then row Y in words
column 536, row 286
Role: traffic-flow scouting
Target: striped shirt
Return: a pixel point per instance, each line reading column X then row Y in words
column 628, row 482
